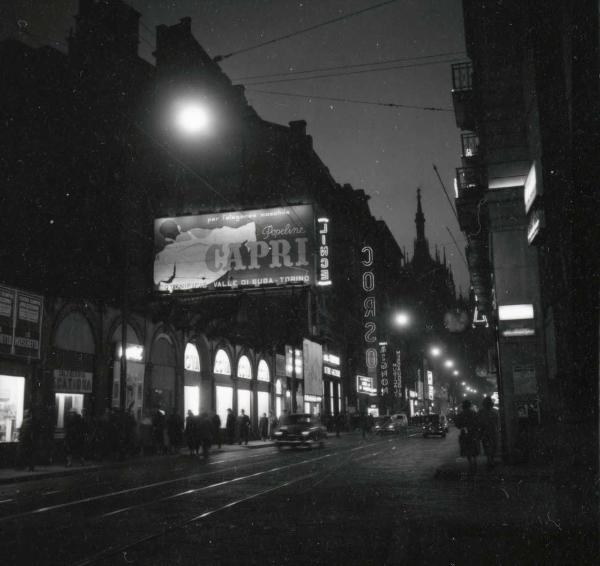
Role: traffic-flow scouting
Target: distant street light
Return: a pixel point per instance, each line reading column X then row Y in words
column 455, row 372
column 449, row 363
column 464, row 383
column 435, row 351
column 402, row 319
column 192, row 118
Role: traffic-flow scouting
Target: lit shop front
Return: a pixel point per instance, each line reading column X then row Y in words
column 331, row 383
column 12, row 396
column 192, row 381
column 223, row 385
column 20, row 343
column 70, row 389
column 263, row 380
column 312, row 355
column 134, row 387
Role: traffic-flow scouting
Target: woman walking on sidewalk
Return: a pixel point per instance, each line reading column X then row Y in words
column 468, row 424
column 488, row 425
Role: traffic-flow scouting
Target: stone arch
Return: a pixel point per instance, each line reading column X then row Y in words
column 74, row 309
column 164, row 360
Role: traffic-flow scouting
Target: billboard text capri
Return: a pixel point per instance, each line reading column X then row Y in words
column 231, row 250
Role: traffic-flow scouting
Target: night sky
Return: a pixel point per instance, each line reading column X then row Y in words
column 387, row 151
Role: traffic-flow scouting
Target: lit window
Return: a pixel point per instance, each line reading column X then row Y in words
column 191, row 358
column 244, row 369
column 12, row 390
column 222, row 363
column 263, row 371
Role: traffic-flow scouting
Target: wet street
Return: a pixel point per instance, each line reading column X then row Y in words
column 373, row 501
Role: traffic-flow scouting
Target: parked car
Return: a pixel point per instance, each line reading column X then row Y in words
column 390, row 424
column 435, row 425
column 300, row 429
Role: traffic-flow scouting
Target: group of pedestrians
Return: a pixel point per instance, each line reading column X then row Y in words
column 478, row 428
column 201, row 432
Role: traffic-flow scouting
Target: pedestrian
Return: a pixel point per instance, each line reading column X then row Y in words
column 468, row 424
column 339, row 423
column 205, row 428
column 488, row 426
column 190, row 433
column 230, row 426
column 244, row 426
column 364, row 424
column 158, row 431
column 175, row 431
column 263, row 427
column 74, row 438
column 27, row 440
column 272, row 424
column 216, row 425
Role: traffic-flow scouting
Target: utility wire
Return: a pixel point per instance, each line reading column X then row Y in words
column 352, row 101
column 301, row 31
column 353, row 66
column 445, row 191
column 360, row 72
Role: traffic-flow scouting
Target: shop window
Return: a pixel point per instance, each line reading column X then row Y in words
column 244, row 369
column 263, row 403
column 278, row 387
column 263, row 373
column 191, row 399
column 224, row 400
column 12, row 395
column 191, row 358
column 222, row 363
column 243, row 401
column 278, row 403
column 65, row 402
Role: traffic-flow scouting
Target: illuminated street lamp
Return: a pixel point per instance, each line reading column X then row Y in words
column 192, row 118
column 449, row 363
column 455, row 372
column 402, row 319
column 435, row 351
column 464, row 383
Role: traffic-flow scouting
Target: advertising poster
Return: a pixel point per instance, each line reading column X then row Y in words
column 232, row 250
column 313, row 368
column 28, row 325
column 7, row 319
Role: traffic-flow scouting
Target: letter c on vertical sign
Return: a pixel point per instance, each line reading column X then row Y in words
column 368, row 251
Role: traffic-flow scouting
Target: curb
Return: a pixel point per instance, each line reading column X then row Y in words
column 140, row 460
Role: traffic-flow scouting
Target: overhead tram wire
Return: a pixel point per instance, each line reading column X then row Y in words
column 352, row 101
column 301, row 31
column 353, row 66
column 359, row 72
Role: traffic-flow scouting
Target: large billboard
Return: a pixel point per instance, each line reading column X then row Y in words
column 239, row 249
column 20, row 322
column 312, row 354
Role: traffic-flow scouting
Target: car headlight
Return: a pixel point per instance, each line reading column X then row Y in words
column 391, row 427
column 305, row 432
column 279, row 433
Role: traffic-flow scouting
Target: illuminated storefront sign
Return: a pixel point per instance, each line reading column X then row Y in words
column 324, row 277
column 369, row 311
column 530, row 190
column 238, row 249
column 536, row 225
column 383, row 369
column 430, row 385
column 397, row 375
column 331, row 359
column 515, row 312
column 332, row 371
column 133, row 352
column 365, row 384
column 20, row 322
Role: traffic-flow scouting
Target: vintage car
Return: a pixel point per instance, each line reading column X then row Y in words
column 300, row 429
column 390, row 424
column 435, row 425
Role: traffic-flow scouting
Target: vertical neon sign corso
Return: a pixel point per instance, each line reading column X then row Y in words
column 369, row 310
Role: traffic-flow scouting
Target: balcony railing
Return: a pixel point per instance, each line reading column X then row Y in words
column 470, row 145
column 462, row 76
column 469, row 180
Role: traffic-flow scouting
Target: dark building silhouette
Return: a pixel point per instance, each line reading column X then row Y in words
column 90, row 159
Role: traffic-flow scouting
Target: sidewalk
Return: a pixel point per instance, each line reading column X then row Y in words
column 12, row 475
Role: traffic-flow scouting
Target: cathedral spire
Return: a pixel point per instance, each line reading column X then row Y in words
column 420, row 217
column 421, row 257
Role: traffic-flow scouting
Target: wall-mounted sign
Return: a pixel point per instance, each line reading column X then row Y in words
column 20, row 322
column 530, row 190
column 369, row 310
column 397, row 375
column 366, row 384
column 312, row 354
column 72, row 381
column 324, row 269
column 515, row 312
column 536, row 225
column 332, row 371
column 238, row 249
column 383, row 369
column 331, row 359
column 133, row 352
